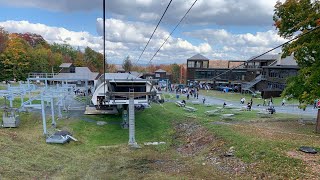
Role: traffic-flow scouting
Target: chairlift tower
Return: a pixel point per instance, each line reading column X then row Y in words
column 132, row 140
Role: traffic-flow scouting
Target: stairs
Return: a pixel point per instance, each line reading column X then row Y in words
column 248, row 86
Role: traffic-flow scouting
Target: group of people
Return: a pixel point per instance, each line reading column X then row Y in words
column 79, row 92
column 270, row 102
column 194, row 93
column 249, row 104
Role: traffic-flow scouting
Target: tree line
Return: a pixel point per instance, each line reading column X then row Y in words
column 23, row 53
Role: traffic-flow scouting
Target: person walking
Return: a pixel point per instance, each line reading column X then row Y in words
column 264, row 102
column 283, row 102
column 315, row 104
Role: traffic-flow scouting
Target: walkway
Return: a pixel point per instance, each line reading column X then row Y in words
column 288, row 109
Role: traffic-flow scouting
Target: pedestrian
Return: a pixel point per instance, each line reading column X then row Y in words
column 270, row 103
column 264, row 102
column 283, row 102
column 315, row 104
column 251, row 102
column 197, row 95
column 249, row 106
column 203, row 100
column 184, row 102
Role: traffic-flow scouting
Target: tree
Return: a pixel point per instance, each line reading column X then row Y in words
column 16, row 58
column 3, row 39
column 93, row 59
column 295, row 17
column 175, row 70
column 68, row 52
column 40, row 60
column 112, row 68
column 127, row 64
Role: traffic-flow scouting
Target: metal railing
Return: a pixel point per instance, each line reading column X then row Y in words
column 42, row 75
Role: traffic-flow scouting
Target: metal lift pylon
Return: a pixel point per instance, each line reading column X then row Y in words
column 132, row 141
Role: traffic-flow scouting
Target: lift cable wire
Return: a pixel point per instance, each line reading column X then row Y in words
column 300, row 35
column 154, row 31
column 172, row 31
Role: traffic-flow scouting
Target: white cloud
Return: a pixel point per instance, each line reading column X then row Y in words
column 135, row 35
column 235, row 46
column 123, row 38
column 220, row 12
column 60, row 35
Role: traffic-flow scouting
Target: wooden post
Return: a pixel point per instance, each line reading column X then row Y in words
column 318, row 121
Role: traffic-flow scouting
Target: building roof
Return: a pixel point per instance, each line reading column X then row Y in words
column 220, row 64
column 136, row 74
column 287, row 61
column 282, row 67
column 65, row 65
column 160, row 71
column 110, row 76
column 266, row 57
column 80, row 73
column 198, row 57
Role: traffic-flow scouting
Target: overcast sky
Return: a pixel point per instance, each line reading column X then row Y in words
column 218, row 29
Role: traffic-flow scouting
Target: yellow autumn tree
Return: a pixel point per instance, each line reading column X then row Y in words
column 15, row 58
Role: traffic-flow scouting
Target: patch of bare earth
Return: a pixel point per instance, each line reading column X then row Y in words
column 194, row 139
column 312, row 162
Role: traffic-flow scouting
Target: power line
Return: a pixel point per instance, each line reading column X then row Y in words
column 268, row 51
column 154, row 31
column 173, row 30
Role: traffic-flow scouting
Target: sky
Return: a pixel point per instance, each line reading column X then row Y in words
column 217, row 29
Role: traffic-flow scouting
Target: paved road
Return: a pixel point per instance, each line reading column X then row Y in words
column 289, row 109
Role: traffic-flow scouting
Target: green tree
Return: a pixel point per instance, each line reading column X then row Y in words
column 127, row 64
column 295, row 17
column 68, row 52
column 175, row 69
column 40, row 59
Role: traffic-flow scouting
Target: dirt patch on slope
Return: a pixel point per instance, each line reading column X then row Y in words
column 312, row 162
column 192, row 138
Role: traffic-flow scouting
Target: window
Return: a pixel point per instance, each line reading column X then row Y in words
column 157, row 75
column 205, row 64
column 191, row 64
column 198, row 64
column 72, row 69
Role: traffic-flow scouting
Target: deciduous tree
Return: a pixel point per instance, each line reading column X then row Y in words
column 294, row 17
